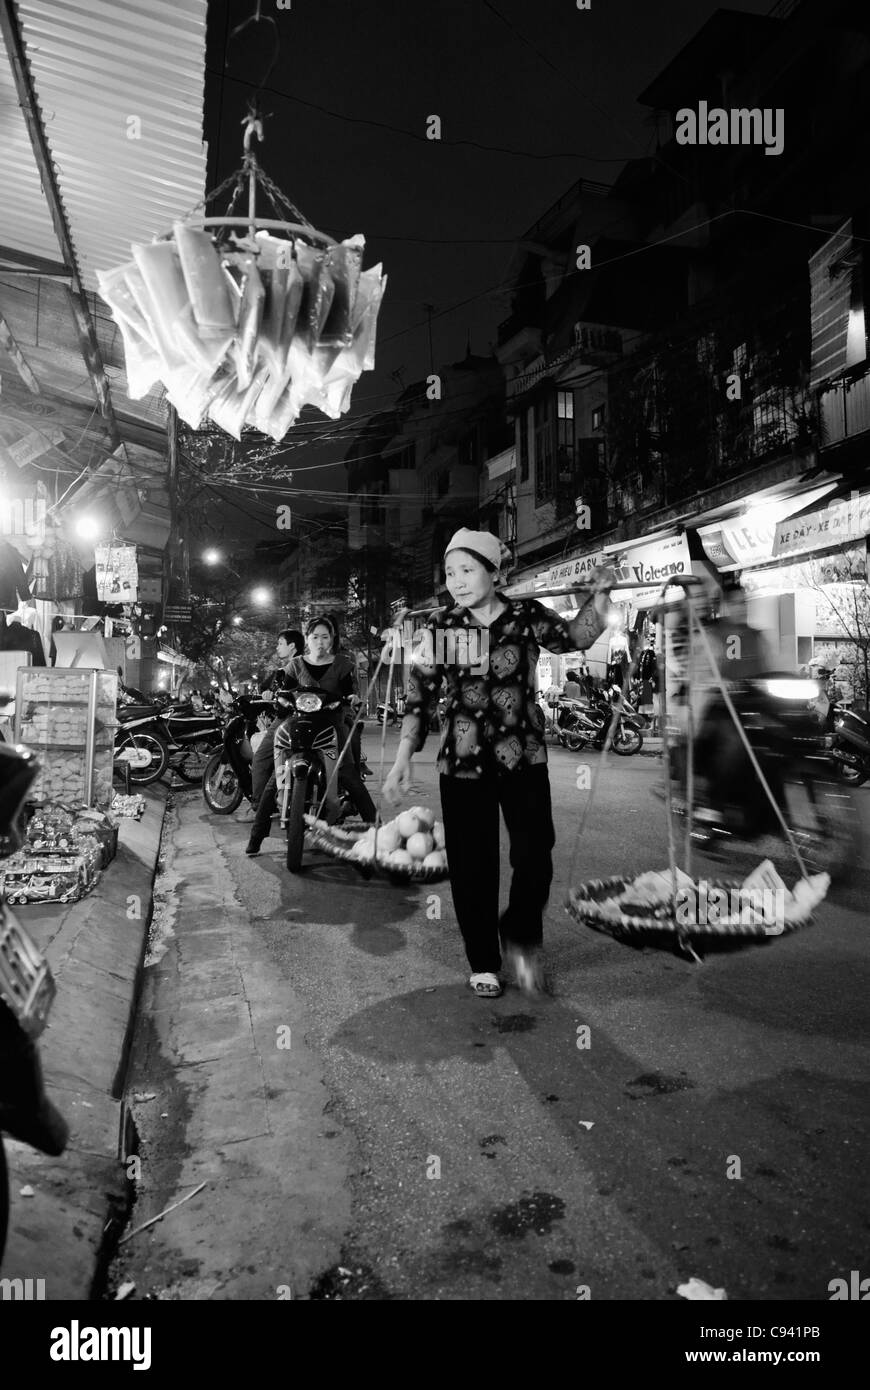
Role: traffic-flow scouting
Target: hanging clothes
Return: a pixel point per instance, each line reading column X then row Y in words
column 13, row 584
column 17, row 637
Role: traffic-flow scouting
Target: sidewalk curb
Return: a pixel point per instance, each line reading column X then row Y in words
column 96, row 951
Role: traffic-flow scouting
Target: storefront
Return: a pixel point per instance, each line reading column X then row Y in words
column 647, row 564
column 805, row 574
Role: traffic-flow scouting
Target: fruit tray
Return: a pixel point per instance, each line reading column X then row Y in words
column 592, row 904
column 339, row 841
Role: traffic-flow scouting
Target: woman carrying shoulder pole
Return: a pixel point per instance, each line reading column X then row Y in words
column 493, row 754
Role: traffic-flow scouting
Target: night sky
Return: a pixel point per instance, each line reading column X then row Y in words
column 442, row 217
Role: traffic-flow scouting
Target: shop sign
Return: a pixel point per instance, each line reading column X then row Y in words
column 653, row 563
column 833, row 525
column 749, row 542
column 31, row 445
column 788, row 579
column 575, row 571
column 716, row 549
column 178, row 613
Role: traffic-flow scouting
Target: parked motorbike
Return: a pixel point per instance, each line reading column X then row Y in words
column 226, row 778
column 392, row 713
column 26, row 994
column 306, row 744
column 790, row 746
column 191, row 738
column 140, row 742
column 848, row 738
column 590, row 725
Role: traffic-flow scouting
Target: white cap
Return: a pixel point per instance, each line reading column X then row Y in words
column 482, row 543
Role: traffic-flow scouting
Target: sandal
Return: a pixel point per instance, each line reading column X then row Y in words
column 487, row 985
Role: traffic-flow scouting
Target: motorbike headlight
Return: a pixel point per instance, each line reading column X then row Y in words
column 794, row 689
column 307, row 704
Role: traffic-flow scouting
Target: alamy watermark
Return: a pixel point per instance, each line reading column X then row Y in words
column 441, row 646
column 713, row 125
column 704, row 905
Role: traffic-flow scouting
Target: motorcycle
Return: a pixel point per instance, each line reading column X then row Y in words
column 140, row 742
column 191, row 737
column 392, row 713
column 849, row 742
column 305, row 743
column 790, row 746
column 26, row 994
column 226, row 778
column 580, row 725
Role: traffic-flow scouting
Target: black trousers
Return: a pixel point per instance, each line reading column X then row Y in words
column 470, row 811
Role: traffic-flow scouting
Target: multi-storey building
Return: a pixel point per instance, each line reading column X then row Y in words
column 659, row 349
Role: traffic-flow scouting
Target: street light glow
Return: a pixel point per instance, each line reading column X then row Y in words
column 212, row 556
column 87, row 528
column 237, row 622
column 261, row 597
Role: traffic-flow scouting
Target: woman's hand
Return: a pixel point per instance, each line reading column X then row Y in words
column 398, row 782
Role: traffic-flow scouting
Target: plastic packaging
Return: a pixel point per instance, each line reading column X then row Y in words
column 213, row 308
column 248, row 332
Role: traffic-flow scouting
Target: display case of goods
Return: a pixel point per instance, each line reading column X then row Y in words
column 67, row 716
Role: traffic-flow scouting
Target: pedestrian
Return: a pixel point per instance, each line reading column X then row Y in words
column 573, row 689
column 335, row 673
column 290, row 644
column 493, row 753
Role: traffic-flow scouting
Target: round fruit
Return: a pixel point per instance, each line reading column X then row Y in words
column 400, row 856
column 420, row 845
column 388, row 838
column 436, row 860
column 424, row 816
column 408, row 824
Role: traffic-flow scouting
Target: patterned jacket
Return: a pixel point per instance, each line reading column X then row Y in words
column 493, row 721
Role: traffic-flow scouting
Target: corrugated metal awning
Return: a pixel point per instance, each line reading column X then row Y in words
column 120, row 86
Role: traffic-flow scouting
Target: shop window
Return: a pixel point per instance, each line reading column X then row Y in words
column 545, row 461
column 523, row 432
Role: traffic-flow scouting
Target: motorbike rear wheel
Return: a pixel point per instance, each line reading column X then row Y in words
column 850, row 773
column 155, row 748
column 572, row 740
column 193, row 760
column 296, row 824
column 221, row 787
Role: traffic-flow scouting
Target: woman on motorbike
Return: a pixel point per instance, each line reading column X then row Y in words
column 334, row 673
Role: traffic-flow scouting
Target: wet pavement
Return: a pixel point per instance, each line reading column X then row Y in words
column 650, row 1120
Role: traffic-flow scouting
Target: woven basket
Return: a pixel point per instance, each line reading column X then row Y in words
column 586, row 904
column 338, row 842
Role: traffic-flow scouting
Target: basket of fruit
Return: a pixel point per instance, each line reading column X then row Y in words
column 408, row 849
column 651, row 906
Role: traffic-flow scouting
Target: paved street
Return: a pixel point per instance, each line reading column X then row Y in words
column 414, row 1142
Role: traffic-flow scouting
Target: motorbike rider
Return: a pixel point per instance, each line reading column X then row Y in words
column 290, row 644
column 740, row 655
column 335, row 673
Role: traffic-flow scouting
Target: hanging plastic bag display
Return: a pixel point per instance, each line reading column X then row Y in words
column 246, row 331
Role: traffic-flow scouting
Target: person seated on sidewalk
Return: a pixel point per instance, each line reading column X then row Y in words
column 291, row 644
column 334, row 673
